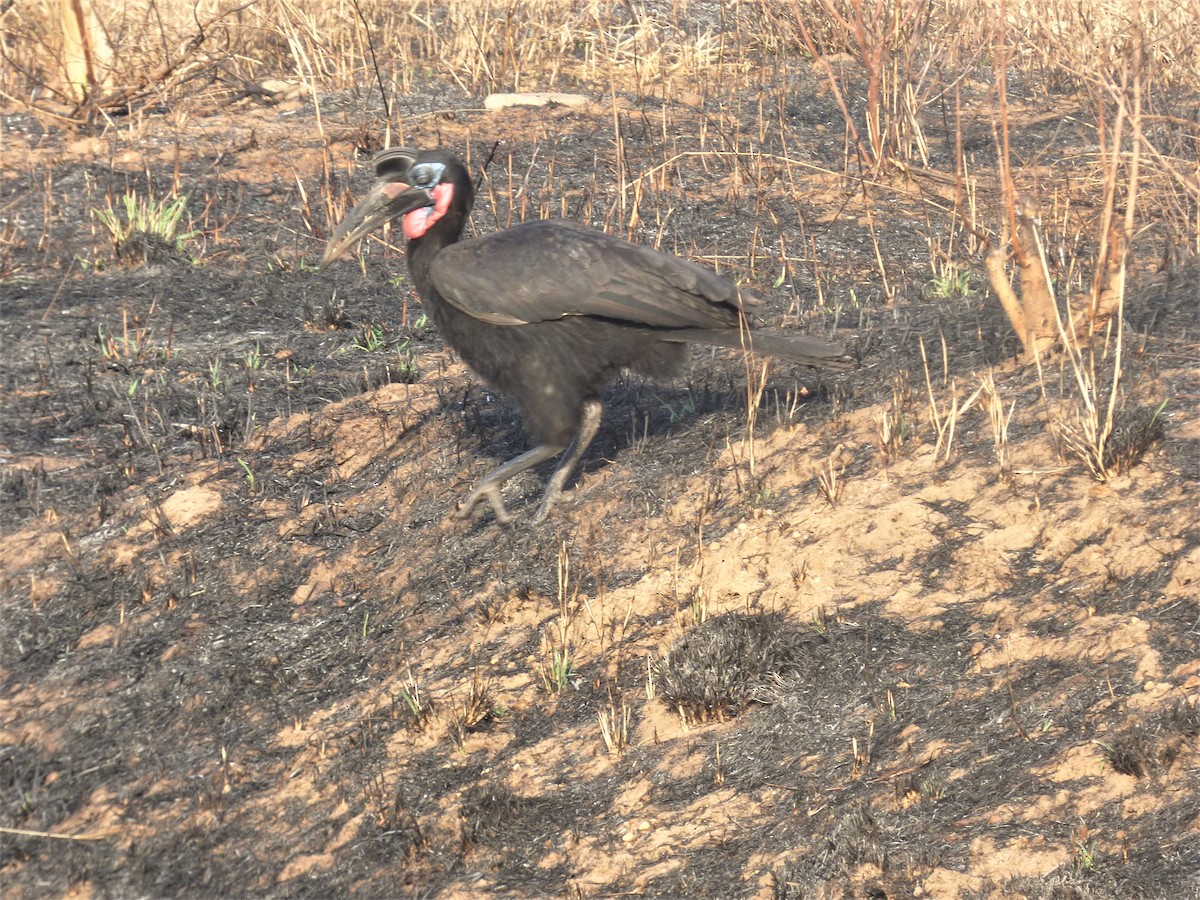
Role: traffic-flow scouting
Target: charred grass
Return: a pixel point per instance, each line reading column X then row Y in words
column 911, row 628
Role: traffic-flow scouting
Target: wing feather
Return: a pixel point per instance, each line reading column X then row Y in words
column 541, row 271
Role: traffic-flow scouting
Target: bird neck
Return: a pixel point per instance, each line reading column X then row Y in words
column 421, row 251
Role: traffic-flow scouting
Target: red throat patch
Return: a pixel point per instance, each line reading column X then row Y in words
column 419, row 221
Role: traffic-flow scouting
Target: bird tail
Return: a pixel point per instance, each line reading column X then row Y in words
column 806, row 351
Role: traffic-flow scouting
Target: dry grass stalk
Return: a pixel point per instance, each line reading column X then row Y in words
column 476, row 709
column 999, row 421
column 1032, row 314
column 557, row 666
column 900, row 49
column 1089, row 432
column 892, row 427
column 614, row 724
column 944, row 423
column 829, row 477
column 1119, row 95
column 87, row 54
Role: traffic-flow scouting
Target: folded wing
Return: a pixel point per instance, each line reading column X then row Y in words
column 550, row 271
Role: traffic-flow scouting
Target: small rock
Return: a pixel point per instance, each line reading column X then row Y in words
column 282, row 90
column 539, row 98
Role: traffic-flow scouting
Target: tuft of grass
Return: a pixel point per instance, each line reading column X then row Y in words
column 892, row 427
column 145, row 230
column 399, row 368
column 614, row 724
column 999, row 421
column 215, row 378
column 895, row 428
column 404, row 369
column 697, row 608
column 371, row 338
column 254, row 359
column 1108, row 455
column 135, row 342
column 686, row 409
column 860, row 753
column 557, row 667
column 326, row 314
column 819, row 621
column 417, row 705
column 476, row 710
column 715, row 669
column 251, row 481
column 760, row 496
column 829, row 478
column 559, row 671
column 944, row 421
column 950, row 283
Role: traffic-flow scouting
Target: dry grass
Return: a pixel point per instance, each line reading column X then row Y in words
column 914, row 134
column 911, row 81
column 916, row 56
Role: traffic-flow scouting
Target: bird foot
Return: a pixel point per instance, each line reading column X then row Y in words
column 492, row 496
column 490, row 493
column 542, row 513
column 549, row 500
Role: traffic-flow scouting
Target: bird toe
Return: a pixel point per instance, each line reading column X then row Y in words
column 477, row 496
column 549, row 501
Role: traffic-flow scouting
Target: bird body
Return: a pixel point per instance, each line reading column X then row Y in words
column 548, row 312
column 585, row 272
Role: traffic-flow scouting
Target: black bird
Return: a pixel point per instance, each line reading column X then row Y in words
column 549, row 312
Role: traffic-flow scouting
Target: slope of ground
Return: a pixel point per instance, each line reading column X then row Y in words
column 841, row 650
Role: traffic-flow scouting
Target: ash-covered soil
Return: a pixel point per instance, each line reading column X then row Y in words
column 833, row 648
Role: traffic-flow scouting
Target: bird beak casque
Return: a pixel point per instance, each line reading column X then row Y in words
column 386, row 202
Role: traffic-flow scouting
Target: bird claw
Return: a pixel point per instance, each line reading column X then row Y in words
column 543, row 511
column 491, row 493
column 549, row 499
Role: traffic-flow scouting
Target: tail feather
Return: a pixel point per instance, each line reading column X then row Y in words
column 806, row 351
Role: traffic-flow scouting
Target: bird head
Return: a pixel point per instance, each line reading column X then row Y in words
column 423, row 186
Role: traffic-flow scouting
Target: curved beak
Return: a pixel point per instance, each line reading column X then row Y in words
column 384, row 203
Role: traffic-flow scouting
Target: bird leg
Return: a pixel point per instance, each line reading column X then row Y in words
column 488, row 487
column 589, row 424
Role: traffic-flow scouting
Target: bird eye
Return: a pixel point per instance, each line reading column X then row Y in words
column 426, row 175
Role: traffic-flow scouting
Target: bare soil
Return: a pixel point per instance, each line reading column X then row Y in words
column 245, row 648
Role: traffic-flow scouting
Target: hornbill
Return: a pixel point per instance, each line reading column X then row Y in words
column 549, row 311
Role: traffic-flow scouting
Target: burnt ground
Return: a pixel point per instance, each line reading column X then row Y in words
column 246, row 650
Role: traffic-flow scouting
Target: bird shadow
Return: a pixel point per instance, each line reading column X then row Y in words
column 656, row 427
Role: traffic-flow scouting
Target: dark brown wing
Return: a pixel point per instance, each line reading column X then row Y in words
column 547, row 270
